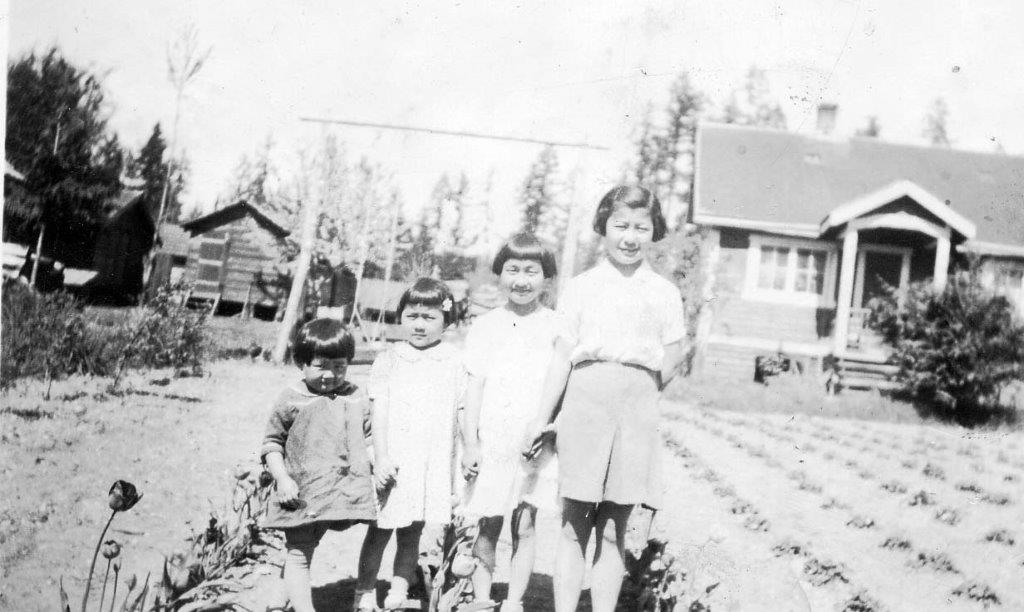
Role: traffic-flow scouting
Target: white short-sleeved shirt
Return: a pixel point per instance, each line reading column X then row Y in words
column 627, row 319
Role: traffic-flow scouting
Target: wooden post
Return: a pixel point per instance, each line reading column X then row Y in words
column 291, row 311
column 392, row 244
column 942, row 246
column 37, row 255
column 840, row 334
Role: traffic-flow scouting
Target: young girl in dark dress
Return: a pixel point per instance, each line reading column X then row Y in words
column 316, row 451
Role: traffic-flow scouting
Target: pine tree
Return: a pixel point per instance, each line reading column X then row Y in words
column 935, row 124
column 665, row 151
column 544, row 214
column 753, row 104
column 57, row 136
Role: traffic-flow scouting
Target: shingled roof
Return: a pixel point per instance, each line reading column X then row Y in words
column 231, row 213
column 792, row 181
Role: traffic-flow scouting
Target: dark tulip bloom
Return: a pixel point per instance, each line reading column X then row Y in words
column 266, row 479
column 123, row 496
column 111, row 549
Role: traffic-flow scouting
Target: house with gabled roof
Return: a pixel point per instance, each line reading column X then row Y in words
column 805, row 230
column 233, row 260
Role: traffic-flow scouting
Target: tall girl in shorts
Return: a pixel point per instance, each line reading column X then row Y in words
column 621, row 340
column 507, row 354
column 415, row 388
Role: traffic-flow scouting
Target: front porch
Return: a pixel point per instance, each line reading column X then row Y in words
column 890, row 238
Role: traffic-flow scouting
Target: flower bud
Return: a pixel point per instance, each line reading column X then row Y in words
column 242, row 472
column 110, row 549
column 131, row 582
column 122, row 496
column 266, row 479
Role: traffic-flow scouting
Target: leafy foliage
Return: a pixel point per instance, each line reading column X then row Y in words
column 48, row 336
column 957, row 347
column 935, row 124
column 753, row 104
column 57, row 137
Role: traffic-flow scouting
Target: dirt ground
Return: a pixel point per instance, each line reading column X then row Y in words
column 784, row 512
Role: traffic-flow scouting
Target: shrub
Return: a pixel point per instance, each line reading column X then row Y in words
column 956, row 348
column 48, row 336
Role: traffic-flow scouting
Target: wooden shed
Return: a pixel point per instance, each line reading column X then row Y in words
column 233, row 260
column 120, row 250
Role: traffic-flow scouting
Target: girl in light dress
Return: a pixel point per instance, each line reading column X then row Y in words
column 620, row 342
column 507, row 354
column 415, row 387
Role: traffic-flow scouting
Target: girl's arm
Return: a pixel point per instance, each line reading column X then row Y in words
column 471, row 427
column 274, row 440
column 674, row 354
column 551, row 393
column 384, row 471
column 287, row 489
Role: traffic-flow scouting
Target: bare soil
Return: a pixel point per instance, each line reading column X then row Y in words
column 785, row 512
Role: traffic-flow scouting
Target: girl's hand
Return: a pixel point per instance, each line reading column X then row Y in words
column 532, row 439
column 470, row 462
column 287, row 493
column 385, row 473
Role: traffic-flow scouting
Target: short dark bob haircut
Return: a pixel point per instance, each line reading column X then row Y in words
column 431, row 293
column 630, row 197
column 525, row 246
column 323, row 339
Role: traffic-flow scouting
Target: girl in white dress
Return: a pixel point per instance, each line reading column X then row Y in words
column 416, row 388
column 507, row 354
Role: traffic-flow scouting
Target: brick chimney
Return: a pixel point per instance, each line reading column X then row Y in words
column 827, row 112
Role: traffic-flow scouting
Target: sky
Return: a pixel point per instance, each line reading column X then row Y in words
column 580, row 72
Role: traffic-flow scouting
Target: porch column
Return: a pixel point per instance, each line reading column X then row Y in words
column 942, row 246
column 846, row 270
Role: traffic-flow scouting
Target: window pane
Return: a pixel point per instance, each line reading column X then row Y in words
column 209, row 273
column 800, row 281
column 211, row 250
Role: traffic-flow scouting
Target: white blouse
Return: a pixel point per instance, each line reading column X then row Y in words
column 627, row 319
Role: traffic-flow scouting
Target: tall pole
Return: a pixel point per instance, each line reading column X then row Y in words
column 42, row 223
column 291, row 311
column 392, row 245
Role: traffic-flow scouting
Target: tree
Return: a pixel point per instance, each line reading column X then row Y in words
column 872, row 129
column 753, row 104
column 57, row 136
column 150, row 166
column 544, row 213
column 935, row 123
column 665, row 150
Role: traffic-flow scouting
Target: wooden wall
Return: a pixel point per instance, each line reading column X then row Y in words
column 251, row 253
column 734, row 316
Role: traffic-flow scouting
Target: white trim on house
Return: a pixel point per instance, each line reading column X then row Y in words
column 900, row 221
column 892, row 192
column 751, row 292
column 991, row 248
column 802, row 230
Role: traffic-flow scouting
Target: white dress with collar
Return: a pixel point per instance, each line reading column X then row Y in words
column 422, row 389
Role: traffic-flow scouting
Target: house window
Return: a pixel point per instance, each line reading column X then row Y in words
column 790, row 270
column 810, row 271
column 771, row 274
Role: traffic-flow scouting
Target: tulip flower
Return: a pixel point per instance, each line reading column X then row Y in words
column 110, row 549
column 121, row 497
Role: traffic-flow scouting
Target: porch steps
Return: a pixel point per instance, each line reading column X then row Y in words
column 866, row 371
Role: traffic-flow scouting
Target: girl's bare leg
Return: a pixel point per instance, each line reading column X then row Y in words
column 407, row 554
column 483, row 550
column 299, row 546
column 609, row 555
column 370, row 557
column 570, row 560
column 524, row 547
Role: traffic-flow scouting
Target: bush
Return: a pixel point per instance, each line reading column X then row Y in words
column 48, row 336
column 956, row 348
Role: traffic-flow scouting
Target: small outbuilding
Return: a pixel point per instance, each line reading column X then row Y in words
column 233, row 260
